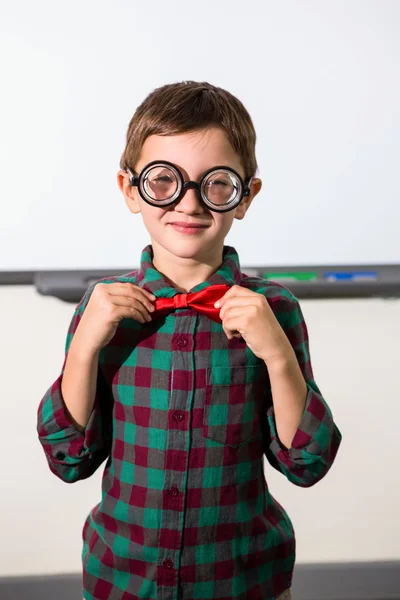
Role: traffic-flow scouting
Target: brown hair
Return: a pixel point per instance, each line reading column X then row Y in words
column 190, row 106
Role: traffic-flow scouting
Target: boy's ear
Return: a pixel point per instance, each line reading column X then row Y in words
column 129, row 192
column 255, row 187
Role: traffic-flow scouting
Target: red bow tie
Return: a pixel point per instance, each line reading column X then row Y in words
column 202, row 301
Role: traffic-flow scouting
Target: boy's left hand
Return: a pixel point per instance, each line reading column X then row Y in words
column 247, row 314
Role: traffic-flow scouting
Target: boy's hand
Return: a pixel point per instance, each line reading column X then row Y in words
column 246, row 313
column 108, row 304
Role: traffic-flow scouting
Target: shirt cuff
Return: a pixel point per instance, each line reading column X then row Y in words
column 61, row 440
column 313, row 434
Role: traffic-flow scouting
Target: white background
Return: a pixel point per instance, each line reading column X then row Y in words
column 321, row 81
column 350, row 515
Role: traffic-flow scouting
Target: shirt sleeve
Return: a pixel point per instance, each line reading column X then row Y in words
column 70, row 453
column 317, row 438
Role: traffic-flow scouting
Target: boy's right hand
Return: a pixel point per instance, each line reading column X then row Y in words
column 108, row 304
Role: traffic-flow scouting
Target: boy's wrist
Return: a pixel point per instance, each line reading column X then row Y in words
column 82, row 351
column 282, row 361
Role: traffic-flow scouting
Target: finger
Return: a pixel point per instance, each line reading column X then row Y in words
column 239, row 301
column 127, row 285
column 135, row 304
column 129, row 312
column 234, row 324
column 234, row 291
column 230, row 333
column 148, row 294
column 133, row 292
column 233, row 313
column 227, row 332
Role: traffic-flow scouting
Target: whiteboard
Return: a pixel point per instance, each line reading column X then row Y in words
column 319, row 79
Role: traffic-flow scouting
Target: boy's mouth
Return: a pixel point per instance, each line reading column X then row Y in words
column 185, row 227
column 185, row 224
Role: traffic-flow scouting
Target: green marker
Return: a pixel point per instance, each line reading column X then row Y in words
column 294, row 276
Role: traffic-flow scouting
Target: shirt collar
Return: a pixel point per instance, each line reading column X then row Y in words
column 148, row 277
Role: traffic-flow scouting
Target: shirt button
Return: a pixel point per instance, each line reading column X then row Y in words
column 168, row 564
column 182, row 342
column 174, row 491
column 178, row 415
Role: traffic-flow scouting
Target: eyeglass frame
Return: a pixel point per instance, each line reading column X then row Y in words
column 136, row 179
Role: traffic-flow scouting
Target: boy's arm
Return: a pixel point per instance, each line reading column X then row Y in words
column 74, row 450
column 317, row 438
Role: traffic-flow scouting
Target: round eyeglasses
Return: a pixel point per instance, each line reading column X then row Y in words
column 161, row 183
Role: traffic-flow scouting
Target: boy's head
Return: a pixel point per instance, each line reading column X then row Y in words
column 195, row 126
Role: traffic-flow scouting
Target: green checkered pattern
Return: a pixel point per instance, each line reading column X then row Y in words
column 183, row 417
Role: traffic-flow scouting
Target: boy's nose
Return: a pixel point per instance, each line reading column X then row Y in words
column 190, row 200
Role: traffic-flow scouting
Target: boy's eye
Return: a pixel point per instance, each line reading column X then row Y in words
column 217, row 182
column 163, row 179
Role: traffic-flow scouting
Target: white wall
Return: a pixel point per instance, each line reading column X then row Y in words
column 352, row 514
column 321, row 81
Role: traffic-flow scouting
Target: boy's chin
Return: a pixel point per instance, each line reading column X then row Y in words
column 188, row 248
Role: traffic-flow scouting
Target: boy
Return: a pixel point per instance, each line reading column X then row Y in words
column 182, row 396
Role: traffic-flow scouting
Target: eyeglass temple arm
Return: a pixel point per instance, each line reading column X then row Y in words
column 246, row 187
column 132, row 178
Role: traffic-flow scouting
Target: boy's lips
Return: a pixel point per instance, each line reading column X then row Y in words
column 188, row 228
column 185, row 224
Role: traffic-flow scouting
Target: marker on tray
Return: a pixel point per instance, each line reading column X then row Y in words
column 350, row 275
column 291, row 276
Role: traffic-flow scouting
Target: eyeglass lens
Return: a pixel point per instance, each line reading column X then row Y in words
column 161, row 183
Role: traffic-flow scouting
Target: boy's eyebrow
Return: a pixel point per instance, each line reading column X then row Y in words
column 201, row 171
column 183, row 171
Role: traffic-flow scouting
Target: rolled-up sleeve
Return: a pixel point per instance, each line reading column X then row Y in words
column 70, row 453
column 317, row 439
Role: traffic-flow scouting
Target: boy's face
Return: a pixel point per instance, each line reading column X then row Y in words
column 193, row 154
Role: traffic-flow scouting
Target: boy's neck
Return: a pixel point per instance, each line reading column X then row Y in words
column 186, row 273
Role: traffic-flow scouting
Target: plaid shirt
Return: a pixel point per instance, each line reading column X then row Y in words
column 184, row 417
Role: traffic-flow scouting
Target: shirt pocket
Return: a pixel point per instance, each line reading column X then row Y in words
column 233, row 402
